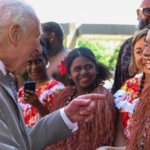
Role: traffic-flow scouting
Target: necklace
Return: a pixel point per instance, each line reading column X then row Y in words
column 146, row 126
column 74, row 92
column 141, row 85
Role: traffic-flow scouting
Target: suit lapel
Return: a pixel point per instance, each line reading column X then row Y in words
column 5, row 85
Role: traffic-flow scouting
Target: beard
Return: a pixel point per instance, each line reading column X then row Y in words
column 143, row 24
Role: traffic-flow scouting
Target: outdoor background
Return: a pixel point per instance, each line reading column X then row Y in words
column 90, row 12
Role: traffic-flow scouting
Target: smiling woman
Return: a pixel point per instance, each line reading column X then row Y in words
column 133, row 99
column 86, row 76
column 38, row 104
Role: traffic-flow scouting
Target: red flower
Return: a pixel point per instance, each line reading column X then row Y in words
column 62, row 68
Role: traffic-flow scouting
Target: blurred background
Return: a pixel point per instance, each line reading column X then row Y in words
column 101, row 25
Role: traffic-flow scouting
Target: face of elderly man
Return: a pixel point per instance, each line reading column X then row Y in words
column 27, row 48
column 24, row 48
column 18, row 44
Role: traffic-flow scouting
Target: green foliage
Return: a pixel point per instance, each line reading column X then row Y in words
column 106, row 52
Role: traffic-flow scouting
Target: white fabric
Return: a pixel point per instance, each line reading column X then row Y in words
column 71, row 126
column 122, row 103
column 139, row 74
column 59, row 86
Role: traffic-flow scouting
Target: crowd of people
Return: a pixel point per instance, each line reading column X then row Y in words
column 70, row 108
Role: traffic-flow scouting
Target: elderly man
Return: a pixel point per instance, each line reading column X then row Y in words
column 53, row 34
column 122, row 73
column 19, row 33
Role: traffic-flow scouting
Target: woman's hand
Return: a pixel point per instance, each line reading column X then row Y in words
column 31, row 98
column 82, row 107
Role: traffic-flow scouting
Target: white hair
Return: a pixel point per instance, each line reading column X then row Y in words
column 17, row 11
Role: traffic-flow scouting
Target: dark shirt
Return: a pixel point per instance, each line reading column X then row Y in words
column 122, row 72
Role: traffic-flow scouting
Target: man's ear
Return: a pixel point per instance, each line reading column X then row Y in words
column 52, row 36
column 14, row 33
column 138, row 13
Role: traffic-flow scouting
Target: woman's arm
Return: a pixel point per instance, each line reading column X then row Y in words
column 120, row 138
column 33, row 100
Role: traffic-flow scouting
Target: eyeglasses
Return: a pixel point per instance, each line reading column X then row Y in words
column 146, row 11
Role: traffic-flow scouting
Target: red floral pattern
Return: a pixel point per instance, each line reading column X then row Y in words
column 131, row 87
column 46, row 93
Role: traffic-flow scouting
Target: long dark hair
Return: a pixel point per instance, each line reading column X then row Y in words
column 103, row 72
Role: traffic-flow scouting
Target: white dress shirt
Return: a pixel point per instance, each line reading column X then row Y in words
column 72, row 126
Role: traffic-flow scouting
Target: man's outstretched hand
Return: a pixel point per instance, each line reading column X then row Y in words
column 82, row 107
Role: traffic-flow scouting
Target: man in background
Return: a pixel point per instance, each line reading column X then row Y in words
column 52, row 33
column 124, row 57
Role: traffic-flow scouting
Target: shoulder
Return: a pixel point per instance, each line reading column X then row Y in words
column 128, row 41
column 63, row 54
column 54, row 85
column 61, row 98
column 67, row 89
column 126, row 45
column 102, row 90
column 65, row 92
column 125, row 98
column 130, row 83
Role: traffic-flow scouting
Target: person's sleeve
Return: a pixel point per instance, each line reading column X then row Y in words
column 7, row 147
column 7, row 141
column 72, row 126
column 120, row 95
column 49, row 130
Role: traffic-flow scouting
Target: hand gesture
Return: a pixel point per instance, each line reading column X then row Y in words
column 31, row 98
column 82, row 107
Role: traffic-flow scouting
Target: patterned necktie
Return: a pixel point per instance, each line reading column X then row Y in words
column 12, row 85
column 14, row 90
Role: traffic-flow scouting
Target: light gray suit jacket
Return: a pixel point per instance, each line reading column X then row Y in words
column 13, row 133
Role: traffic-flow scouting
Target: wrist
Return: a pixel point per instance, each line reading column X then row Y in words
column 37, row 104
column 68, row 115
